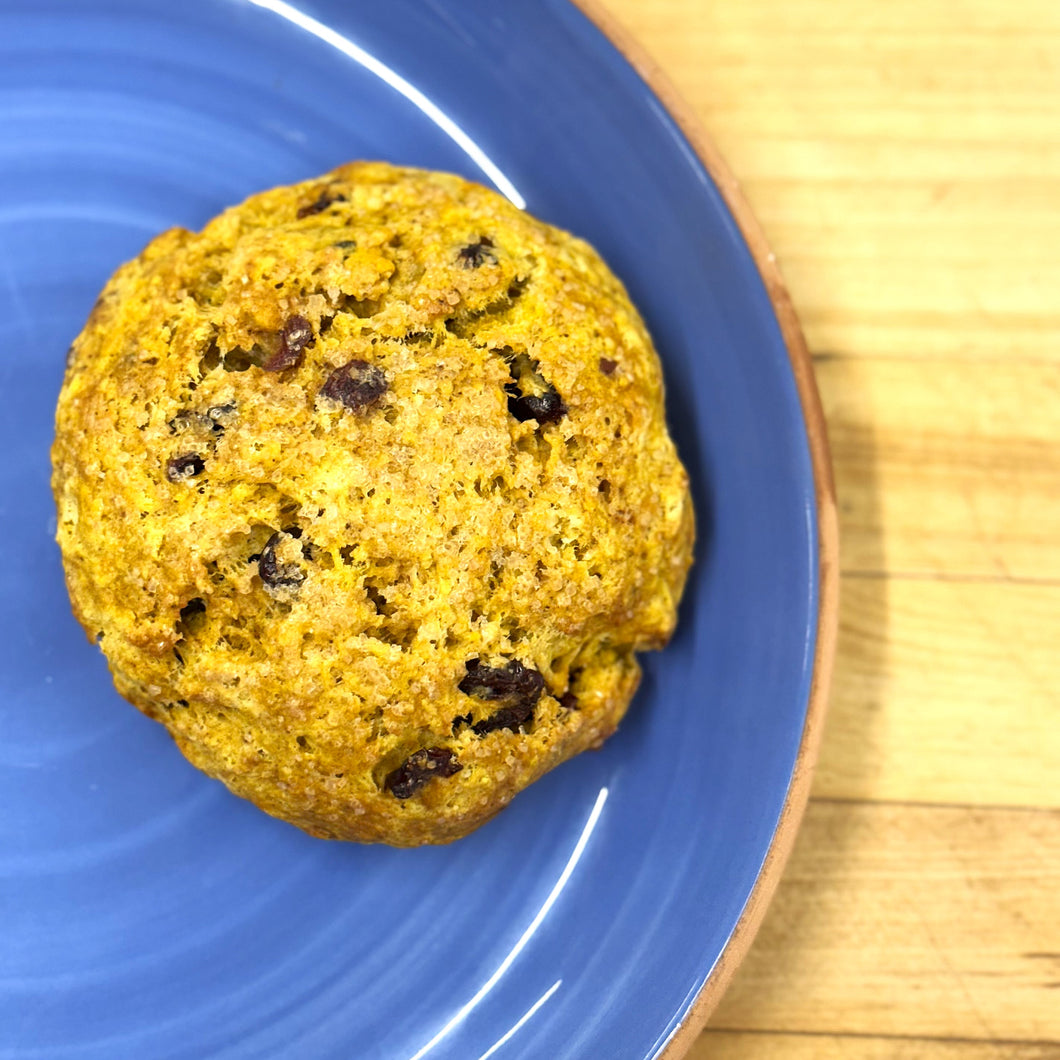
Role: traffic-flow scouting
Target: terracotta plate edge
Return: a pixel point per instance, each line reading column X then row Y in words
column 827, row 528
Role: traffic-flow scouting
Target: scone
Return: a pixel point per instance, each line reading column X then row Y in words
column 366, row 493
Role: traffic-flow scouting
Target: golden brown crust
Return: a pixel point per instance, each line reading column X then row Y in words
column 358, row 433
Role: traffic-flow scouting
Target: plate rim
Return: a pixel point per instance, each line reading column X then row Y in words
column 794, row 807
column 699, row 1006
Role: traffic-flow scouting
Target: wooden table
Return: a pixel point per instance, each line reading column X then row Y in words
column 904, row 161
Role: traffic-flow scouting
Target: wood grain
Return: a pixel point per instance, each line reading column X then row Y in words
column 945, row 691
column 905, row 920
column 946, row 467
column 903, row 160
column 725, row 1045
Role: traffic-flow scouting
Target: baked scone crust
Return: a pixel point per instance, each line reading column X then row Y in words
column 359, row 442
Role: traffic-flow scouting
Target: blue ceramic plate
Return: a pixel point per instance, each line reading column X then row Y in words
column 146, row 913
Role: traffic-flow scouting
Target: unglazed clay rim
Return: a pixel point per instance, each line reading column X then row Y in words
column 827, row 530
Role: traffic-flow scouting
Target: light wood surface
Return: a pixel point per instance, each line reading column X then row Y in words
column 904, row 162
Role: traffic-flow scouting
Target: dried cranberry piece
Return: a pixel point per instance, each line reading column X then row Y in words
column 418, row 768
column 295, row 335
column 184, row 467
column 510, row 718
column 326, row 199
column 274, row 574
column 545, row 408
column 500, row 682
column 215, row 419
column 477, row 254
column 221, row 416
column 569, row 699
column 357, row 385
column 518, row 687
column 530, row 395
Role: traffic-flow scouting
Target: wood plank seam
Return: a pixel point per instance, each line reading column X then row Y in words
column 940, row 1039
column 853, row 800
column 947, row 576
column 924, row 360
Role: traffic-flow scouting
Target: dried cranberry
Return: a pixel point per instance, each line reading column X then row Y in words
column 295, row 335
column 419, row 768
column 215, row 419
column 357, row 385
column 500, row 682
column 478, row 253
column 516, row 686
column 185, row 467
column 545, row 408
column 510, row 718
column 221, row 416
column 322, row 203
column 274, row 574
column 569, row 700
column 530, row 395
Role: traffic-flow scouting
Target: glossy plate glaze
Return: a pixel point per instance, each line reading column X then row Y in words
column 146, row 912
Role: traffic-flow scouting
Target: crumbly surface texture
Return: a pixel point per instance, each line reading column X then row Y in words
column 366, row 493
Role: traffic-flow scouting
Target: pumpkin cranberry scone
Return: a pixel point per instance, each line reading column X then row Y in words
column 367, row 495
